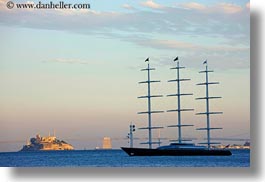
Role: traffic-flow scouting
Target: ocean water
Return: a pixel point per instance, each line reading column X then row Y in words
column 118, row 158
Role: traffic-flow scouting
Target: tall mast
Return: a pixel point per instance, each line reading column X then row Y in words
column 207, row 99
column 179, row 94
column 149, row 112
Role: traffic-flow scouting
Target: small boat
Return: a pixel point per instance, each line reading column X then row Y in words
column 181, row 147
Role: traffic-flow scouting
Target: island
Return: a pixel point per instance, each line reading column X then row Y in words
column 46, row 143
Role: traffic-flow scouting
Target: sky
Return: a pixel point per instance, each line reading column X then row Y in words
column 77, row 71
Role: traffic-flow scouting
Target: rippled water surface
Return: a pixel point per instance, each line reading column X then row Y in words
column 118, row 158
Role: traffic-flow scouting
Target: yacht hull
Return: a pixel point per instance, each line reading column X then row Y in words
column 175, row 152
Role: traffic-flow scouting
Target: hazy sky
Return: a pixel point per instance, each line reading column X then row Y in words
column 77, row 72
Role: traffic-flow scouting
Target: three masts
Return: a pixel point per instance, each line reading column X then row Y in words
column 180, row 147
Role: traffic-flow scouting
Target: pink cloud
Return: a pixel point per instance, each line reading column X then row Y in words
column 230, row 8
column 226, row 8
column 248, row 5
column 174, row 44
column 151, row 4
column 193, row 5
column 127, row 6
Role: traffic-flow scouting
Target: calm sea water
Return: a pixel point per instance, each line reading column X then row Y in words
column 118, row 158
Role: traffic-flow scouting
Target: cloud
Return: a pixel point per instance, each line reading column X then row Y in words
column 68, row 61
column 193, row 5
column 3, row 5
column 187, row 46
column 230, row 8
column 172, row 21
column 127, row 6
column 226, row 25
column 221, row 56
column 30, row 2
column 248, row 5
column 166, row 44
column 151, row 4
column 226, row 8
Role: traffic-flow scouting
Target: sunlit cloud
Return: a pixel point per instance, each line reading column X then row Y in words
column 194, row 5
column 226, row 8
column 127, row 6
column 225, row 23
column 193, row 21
column 248, row 5
column 230, row 8
column 221, row 56
column 174, row 44
column 74, row 11
column 166, row 44
column 151, row 4
column 3, row 5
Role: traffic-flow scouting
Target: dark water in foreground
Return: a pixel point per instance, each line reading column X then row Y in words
column 118, row 158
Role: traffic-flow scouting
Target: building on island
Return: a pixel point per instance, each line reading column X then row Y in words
column 46, row 143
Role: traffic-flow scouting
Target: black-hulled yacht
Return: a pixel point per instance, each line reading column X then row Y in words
column 179, row 147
